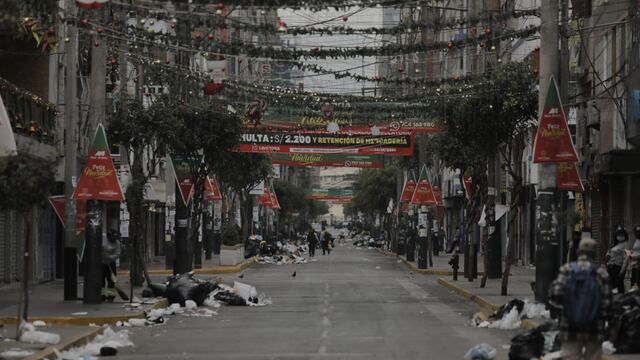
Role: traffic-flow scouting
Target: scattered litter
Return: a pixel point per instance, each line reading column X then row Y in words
column 553, row 356
column 399, row 261
column 481, row 352
column 608, row 348
column 190, row 305
column 508, row 322
column 378, row 268
column 527, row 345
column 32, row 336
column 80, row 313
column 39, row 323
column 137, row 322
column 109, row 338
column 625, row 322
column 16, row 353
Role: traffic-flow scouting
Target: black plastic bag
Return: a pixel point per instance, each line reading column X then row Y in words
column 506, row 308
column 627, row 328
column 527, row 345
column 230, row 298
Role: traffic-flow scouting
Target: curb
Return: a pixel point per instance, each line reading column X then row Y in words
column 432, row 271
column 78, row 340
column 204, row 271
column 88, row 320
column 479, row 300
column 491, row 307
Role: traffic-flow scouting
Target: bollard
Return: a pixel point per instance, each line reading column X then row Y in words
column 455, row 264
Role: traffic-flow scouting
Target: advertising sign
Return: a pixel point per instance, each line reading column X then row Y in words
column 407, row 192
column 182, row 167
column 99, row 180
column 334, row 160
column 424, row 191
column 212, row 190
column 269, row 142
column 568, row 178
column 553, row 139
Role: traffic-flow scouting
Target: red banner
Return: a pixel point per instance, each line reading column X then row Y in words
column 275, row 204
column 57, row 202
column 553, row 143
column 265, row 198
column 568, row 178
column 392, row 127
column 333, row 160
column 212, row 190
column 98, row 180
column 257, row 141
column 407, row 192
column 424, row 192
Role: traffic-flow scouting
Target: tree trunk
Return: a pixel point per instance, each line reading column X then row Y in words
column 509, row 258
column 135, row 206
column 196, row 214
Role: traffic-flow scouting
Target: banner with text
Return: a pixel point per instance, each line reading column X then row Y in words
column 334, row 160
column 321, row 142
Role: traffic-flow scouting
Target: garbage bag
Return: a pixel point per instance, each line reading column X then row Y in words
column 186, row 287
column 627, row 331
column 481, row 352
column 230, row 298
column 506, row 308
column 527, row 345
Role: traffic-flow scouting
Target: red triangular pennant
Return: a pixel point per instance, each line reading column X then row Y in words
column 275, row 204
column 424, row 192
column 58, row 201
column 409, row 189
column 553, row 143
column 438, row 195
column 265, row 198
column 568, row 178
column 98, row 180
column 212, row 190
column 468, row 186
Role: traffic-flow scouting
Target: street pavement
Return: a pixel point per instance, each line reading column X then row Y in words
column 352, row 304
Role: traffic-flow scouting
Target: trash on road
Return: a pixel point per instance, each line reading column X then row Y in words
column 625, row 322
column 108, row 339
column 481, row 352
column 534, row 343
column 285, row 253
column 16, row 353
column 510, row 315
column 30, row 335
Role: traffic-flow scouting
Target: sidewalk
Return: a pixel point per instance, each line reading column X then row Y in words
column 70, row 336
column 209, row 267
column 440, row 264
column 46, row 303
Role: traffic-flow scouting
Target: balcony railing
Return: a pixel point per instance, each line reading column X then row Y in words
column 29, row 114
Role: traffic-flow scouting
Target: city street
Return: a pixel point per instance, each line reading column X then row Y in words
column 352, row 304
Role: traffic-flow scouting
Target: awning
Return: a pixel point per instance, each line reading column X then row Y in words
column 617, row 162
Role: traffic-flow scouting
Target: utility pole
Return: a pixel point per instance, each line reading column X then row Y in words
column 547, row 246
column 70, row 141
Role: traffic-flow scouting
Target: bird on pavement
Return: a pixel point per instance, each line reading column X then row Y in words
column 241, row 276
column 294, row 274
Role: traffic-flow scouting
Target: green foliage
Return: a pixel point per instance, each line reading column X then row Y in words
column 291, row 197
column 230, row 235
column 317, row 208
column 15, row 11
column 241, row 171
column 374, row 188
column 476, row 125
column 25, row 181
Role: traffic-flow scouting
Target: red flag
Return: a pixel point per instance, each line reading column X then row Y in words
column 58, row 201
column 407, row 192
column 265, row 198
column 90, row 4
column 424, row 192
column 568, row 177
column 468, row 188
column 98, row 180
column 212, row 190
column 553, row 140
column 275, row 204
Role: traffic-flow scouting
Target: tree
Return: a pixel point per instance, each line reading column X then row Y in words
column 241, row 172
column 483, row 123
column 25, row 182
column 142, row 133
column 373, row 189
column 206, row 133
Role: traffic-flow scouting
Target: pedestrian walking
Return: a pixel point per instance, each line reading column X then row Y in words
column 110, row 254
column 312, row 239
column 633, row 258
column 327, row 242
column 616, row 257
column 582, row 294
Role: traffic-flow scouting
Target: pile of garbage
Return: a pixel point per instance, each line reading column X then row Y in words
column 509, row 316
column 625, row 323
column 285, row 253
column 367, row 241
column 187, row 291
column 105, row 344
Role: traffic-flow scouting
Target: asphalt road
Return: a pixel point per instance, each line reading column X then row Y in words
column 352, row 304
